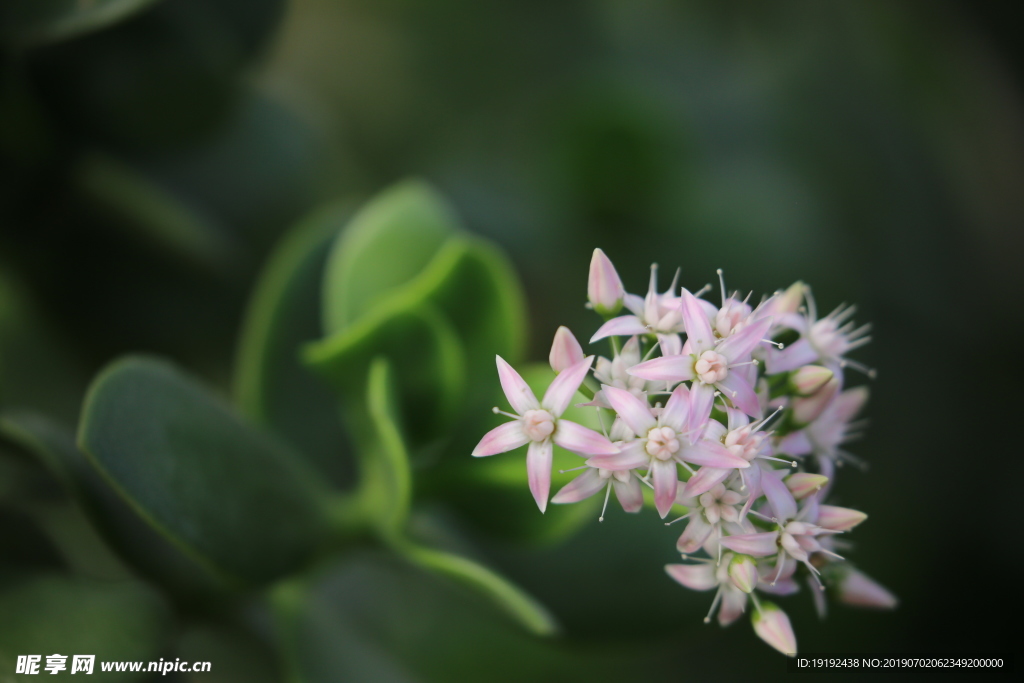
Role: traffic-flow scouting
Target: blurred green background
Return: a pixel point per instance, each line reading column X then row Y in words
column 153, row 152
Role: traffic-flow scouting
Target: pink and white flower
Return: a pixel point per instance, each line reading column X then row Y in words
column 708, row 362
column 540, row 424
column 665, row 437
column 654, row 314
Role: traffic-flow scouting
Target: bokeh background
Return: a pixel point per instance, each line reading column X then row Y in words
column 874, row 149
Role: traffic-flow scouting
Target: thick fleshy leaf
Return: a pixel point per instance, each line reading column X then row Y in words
column 623, row 326
column 501, row 439
column 389, row 242
column 385, row 478
column 33, row 22
column 538, row 471
column 758, row 545
column 150, row 213
column 517, row 391
column 559, row 394
column 271, row 385
column 502, row 593
column 471, row 294
column 579, row 439
column 665, row 369
column 697, row 325
column 113, row 620
column 426, row 357
column 633, row 411
column 580, row 488
column 698, row 577
column 229, row 495
column 128, row 534
column 375, row 617
column 665, row 477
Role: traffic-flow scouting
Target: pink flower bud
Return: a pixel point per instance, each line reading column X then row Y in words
column 809, row 379
column 565, row 350
column 806, row 409
column 858, row 589
column 790, row 300
column 839, row 519
column 604, row 288
column 803, row 484
column 772, row 626
column 743, row 572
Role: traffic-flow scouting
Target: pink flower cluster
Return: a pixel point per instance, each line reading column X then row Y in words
column 736, row 415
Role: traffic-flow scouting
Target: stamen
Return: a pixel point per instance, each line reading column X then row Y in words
column 791, row 463
column 581, row 467
column 702, row 290
column 758, row 514
column 705, row 560
column 679, row 519
column 600, row 418
column 714, row 604
column 675, row 281
column 765, row 420
column 780, row 560
column 498, row 411
column 607, row 494
column 776, row 344
column 721, row 282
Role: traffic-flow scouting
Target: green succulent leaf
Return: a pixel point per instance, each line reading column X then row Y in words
column 508, row 597
column 272, row 386
column 385, row 476
column 373, row 616
column 427, row 363
column 134, row 539
column 27, row 22
column 387, row 244
column 146, row 210
column 228, row 495
column 114, row 620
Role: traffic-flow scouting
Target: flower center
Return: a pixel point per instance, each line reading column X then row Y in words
column 743, row 443
column 538, row 424
column 662, row 443
column 711, row 367
column 729, row 318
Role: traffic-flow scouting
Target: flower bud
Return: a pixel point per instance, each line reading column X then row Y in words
column 839, row 519
column 790, row 300
column 809, row 379
column 806, row 409
column 604, row 288
column 772, row 626
column 803, row 484
column 565, row 350
column 743, row 572
column 858, row 589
